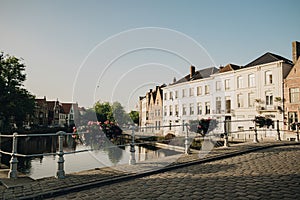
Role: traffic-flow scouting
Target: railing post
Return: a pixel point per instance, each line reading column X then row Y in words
column 132, row 149
column 0, row 152
column 13, row 173
column 278, row 131
column 255, row 140
column 297, row 133
column 186, row 141
column 60, row 174
column 226, row 144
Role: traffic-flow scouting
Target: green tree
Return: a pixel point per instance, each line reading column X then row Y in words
column 103, row 111
column 16, row 102
column 134, row 115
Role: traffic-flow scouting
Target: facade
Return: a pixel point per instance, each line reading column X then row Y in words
column 151, row 110
column 259, row 92
column 188, row 99
column 54, row 113
column 232, row 93
column 292, row 90
column 268, row 86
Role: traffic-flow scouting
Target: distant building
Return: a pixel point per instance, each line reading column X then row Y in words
column 292, row 89
column 54, row 113
column 151, row 110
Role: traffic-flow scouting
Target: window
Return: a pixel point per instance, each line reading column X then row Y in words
column 294, row 95
column 199, row 90
column 251, row 100
column 240, row 102
column 218, row 85
column 165, row 96
column 228, row 104
column 218, row 105
column 183, row 109
column 171, row 95
column 239, row 82
column 207, row 108
column 191, row 109
column 183, row 92
column 176, row 94
column 268, row 77
column 269, row 98
column 191, row 91
column 227, row 84
column 251, row 80
column 170, row 110
column 158, row 112
column 206, row 88
column 293, row 117
column 176, row 110
column 165, row 110
column 199, row 109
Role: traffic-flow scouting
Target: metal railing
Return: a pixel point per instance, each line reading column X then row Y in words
column 60, row 173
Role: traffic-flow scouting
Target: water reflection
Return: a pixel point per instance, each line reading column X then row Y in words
column 104, row 154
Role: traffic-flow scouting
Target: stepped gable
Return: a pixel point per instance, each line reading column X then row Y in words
column 267, row 58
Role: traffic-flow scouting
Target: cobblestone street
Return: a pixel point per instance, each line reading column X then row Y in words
column 272, row 173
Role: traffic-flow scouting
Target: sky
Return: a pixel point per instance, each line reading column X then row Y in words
column 109, row 50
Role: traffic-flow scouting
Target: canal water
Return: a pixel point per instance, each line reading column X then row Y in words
column 102, row 156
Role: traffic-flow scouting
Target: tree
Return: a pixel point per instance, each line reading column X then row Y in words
column 134, row 115
column 16, row 102
column 103, row 111
column 119, row 114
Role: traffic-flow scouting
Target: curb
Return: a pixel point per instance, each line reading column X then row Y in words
column 77, row 188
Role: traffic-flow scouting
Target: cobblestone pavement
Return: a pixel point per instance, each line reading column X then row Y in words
column 272, row 173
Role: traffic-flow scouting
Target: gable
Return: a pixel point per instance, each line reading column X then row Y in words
column 295, row 71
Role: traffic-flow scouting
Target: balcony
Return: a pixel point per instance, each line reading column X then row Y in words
column 269, row 108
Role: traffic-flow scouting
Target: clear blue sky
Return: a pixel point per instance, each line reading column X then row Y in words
column 54, row 38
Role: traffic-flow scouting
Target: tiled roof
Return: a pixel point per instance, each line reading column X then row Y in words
column 267, row 58
column 66, row 107
column 229, row 67
column 203, row 73
column 50, row 105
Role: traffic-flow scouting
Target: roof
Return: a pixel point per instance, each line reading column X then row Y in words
column 229, row 67
column 203, row 73
column 51, row 105
column 66, row 107
column 267, row 58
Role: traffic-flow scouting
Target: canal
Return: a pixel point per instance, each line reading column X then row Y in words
column 102, row 155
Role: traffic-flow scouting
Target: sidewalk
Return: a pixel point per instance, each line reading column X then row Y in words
column 26, row 188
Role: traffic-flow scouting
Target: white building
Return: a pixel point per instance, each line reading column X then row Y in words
column 233, row 93
column 259, row 91
column 188, row 99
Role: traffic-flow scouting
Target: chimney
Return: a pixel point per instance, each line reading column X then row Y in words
column 295, row 51
column 192, row 71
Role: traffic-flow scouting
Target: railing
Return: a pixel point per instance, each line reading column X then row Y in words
column 60, row 173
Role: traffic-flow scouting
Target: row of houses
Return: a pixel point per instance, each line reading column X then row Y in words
column 54, row 113
column 268, row 86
